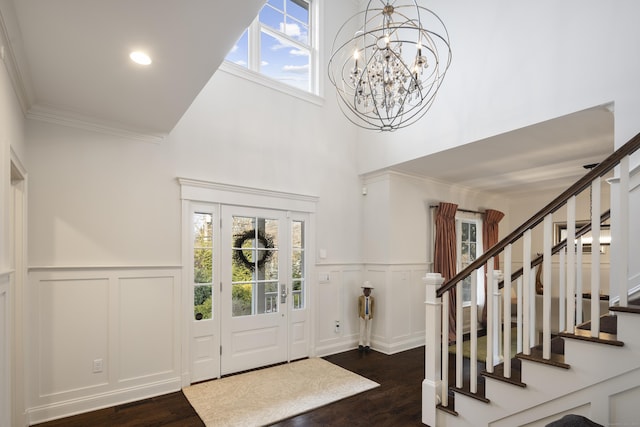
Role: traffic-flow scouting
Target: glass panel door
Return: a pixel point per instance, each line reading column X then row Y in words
column 254, row 278
column 255, row 288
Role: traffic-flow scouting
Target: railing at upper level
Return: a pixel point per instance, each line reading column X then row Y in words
column 566, row 284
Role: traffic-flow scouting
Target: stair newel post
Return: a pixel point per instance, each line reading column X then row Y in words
column 432, row 386
column 526, row 294
column 595, row 257
column 444, row 351
column 506, row 292
column 571, row 264
column 546, row 287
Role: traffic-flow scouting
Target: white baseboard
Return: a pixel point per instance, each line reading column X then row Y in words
column 99, row 401
column 335, row 347
column 385, row 348
column 401, row 345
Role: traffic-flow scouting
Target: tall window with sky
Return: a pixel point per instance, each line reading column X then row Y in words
column 278, row 44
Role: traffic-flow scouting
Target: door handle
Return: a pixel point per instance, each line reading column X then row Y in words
column 283, row 294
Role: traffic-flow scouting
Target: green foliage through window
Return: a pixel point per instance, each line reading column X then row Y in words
column 202, row 265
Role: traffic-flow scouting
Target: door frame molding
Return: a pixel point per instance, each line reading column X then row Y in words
column 199, row 191
column 227, row 194
column 19, row 228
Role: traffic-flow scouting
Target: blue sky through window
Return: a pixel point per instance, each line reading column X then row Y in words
column 239, row 54
column 283, row 46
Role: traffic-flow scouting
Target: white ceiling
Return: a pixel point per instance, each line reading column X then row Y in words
column 544, row 157
column 72, row 65
column 74, row 61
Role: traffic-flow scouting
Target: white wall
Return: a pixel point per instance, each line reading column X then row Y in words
column 397, row 251
column 11, row 138
column 11, row 141
column 100, row 204
column 5, row 350
column 103, row 200
column 408, row 216
column 101, row 336
column 519, row 63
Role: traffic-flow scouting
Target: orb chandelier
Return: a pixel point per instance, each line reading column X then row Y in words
column 388, row 62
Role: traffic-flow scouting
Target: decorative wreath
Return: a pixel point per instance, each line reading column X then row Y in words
column 266, row 243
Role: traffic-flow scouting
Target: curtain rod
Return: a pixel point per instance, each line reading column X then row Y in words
column 461, row 210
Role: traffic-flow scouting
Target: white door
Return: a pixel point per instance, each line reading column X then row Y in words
column 262, row 297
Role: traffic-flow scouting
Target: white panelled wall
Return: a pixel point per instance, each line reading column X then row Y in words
column 103, row 208
column 5, row 348
column 101, row 336
column 398, row 322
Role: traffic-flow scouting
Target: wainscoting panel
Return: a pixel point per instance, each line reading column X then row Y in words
column 99, row 337
column 69, row 310
column 335, row 300
column 5, row 352
column 400, row 309
column 623, row 407
column 148, row 322
column 398, row 323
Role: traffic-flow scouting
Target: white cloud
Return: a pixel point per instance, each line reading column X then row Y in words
column 298, row 69
column 234, row 48
column 298, row 52
column 292, row 30
column 241, row 62
column 279, row 46
column 264, row 63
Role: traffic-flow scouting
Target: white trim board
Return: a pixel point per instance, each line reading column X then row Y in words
column 213, row 192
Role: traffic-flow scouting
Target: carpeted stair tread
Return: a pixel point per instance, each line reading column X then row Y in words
column 557, row 346
column 608, row 325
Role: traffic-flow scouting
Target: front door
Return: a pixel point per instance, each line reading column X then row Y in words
column 262, row 294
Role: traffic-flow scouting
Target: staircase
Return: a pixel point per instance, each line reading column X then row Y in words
column 582, row 355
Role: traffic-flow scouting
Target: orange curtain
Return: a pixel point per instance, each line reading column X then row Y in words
column 490, row 238
column 444, row 259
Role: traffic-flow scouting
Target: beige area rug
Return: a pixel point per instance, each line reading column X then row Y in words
column 268, row 395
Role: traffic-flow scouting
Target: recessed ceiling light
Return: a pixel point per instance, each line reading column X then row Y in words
column 140, row 58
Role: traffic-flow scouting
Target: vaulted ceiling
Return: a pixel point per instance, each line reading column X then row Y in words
column 72, row 66
column 547, row 156
column 73, row 57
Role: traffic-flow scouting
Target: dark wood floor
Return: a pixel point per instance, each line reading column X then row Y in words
column 397, row 402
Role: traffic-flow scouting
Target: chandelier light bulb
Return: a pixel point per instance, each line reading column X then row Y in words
column 395, row 45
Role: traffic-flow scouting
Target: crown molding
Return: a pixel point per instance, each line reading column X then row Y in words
column 79, row 121
column 11, row 54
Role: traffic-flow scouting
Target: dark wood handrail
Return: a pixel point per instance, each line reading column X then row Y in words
column 601, row 169
column 557, row 248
